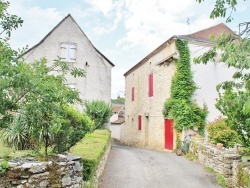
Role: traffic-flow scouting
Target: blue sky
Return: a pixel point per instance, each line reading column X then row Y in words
column 125, row 31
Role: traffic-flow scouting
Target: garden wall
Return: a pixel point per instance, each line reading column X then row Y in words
column 225, row 162
column 61, row 171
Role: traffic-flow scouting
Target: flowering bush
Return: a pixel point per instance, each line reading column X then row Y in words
column 219, row 132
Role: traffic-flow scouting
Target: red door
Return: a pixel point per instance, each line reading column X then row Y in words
column 169, row 134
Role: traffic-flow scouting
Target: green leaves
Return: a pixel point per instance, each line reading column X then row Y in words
column 221, row 7
column 98, row 111
column 180, row 106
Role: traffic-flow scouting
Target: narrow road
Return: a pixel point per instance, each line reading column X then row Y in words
column 129, row 167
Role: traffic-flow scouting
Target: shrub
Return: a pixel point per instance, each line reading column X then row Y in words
column 219, row 132
column 73, row 128
column 91, row 148
column 99, row 111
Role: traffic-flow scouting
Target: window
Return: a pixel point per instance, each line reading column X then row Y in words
column 139, row 122
column 68, row 52
column 150, row 85
column 133, row 93
column 71, row 86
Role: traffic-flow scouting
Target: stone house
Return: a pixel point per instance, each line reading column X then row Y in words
column 117, row 120
column 67, row 41
column 148, row 84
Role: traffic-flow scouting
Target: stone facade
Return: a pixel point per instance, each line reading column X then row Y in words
column 225, row 162
column 63, row 171
column 158, row 62
column 67, row 39
column 149, row 108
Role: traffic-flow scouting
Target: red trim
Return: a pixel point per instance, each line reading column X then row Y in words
column 139, row 122
column 133, row 93
column 150, row 85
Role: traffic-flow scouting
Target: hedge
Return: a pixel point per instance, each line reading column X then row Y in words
column 91, row 148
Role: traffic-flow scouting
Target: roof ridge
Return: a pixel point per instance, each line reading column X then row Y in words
column 208, row 28
column 54, row 28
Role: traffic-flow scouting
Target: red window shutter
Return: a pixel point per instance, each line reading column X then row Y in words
column 150, row 85
column 139, row 122
column 133, row 93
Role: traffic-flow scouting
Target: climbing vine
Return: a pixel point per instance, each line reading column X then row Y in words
column 180, row 106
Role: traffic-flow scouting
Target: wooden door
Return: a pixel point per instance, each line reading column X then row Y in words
column 169, row 134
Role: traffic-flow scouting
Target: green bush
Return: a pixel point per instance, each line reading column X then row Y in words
column 74, row 126
column 91, row 148
column 99, row 111
column 219, row 132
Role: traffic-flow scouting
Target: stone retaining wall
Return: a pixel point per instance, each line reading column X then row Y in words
column 61, row 171
column 223, row 161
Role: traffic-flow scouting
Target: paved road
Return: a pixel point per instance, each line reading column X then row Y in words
column 129, row 167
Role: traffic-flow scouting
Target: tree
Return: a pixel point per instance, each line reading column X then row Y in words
column 234, row 51
column 30, row 92
column 221, row 7
column 99, row 111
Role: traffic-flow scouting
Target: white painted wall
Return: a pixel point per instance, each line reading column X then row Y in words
column 115, row 131
column 114, row 117
column 97, row 83
column 207, row 77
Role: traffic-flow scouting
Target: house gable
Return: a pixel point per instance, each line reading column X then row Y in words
column 59, row 25
column 67, row 41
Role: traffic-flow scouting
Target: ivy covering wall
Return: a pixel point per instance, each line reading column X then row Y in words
column 181, row 106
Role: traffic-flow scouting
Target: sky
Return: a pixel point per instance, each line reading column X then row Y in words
column 125, row 31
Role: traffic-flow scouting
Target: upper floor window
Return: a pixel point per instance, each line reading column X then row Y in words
column 133, row 93
column 68, row 52
column 150, row 85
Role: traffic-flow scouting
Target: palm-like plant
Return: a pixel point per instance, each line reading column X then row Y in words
column 16, row 134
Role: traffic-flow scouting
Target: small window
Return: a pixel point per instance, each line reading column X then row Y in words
column 133, row 93
column 139, row 122
column 71, row 86
column 150, row 85
column 68, row 52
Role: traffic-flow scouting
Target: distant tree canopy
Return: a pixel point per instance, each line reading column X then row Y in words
column 119, row 100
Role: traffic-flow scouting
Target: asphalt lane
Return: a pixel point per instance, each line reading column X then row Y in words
column 129, row 167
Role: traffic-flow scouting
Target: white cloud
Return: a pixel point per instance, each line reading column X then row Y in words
column 104, row 6
column 37, row 23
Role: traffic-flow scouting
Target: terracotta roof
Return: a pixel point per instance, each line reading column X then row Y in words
column 214, row 30
column 119, row 121
column 117, row 108
column 68, row 16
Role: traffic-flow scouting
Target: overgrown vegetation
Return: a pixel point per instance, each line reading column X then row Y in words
column 234, row 51
column 91, row 148
column 220, row 132
column 4, row 166
column 34, row 109
column 99, row 111
column 180, row 105
column 221, row 180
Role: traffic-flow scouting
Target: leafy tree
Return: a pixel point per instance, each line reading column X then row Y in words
column 30, row 92
column 119, row 100
column 221, row 7
column 99, row 111
column 234, row 51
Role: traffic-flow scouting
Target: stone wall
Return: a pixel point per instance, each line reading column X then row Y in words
column 61, row 171
column 223, row 161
